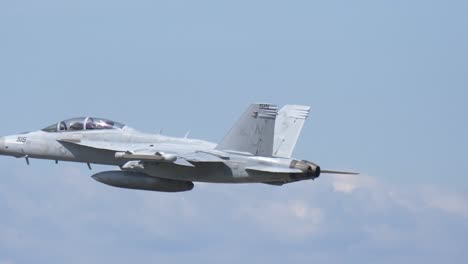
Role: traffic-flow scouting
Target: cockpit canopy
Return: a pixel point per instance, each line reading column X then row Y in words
column 83, row 123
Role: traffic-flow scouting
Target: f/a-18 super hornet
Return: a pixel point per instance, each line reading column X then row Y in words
column 257, row 149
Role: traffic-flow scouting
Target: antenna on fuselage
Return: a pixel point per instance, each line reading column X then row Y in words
column 187, row 134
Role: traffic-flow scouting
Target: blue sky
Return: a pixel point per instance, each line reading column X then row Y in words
column 387, row 82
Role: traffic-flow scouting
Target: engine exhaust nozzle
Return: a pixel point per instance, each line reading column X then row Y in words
column 311, row 169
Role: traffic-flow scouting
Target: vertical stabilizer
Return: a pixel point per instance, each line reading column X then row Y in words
column 253, row 132
column 289, row 124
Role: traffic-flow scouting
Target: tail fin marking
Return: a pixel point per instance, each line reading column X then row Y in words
column 253, row 132
column 288, row 127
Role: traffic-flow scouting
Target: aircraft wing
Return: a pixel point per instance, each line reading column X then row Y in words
column 202, row 157
column 99, row 145
column 145, row 155
column 148, row 155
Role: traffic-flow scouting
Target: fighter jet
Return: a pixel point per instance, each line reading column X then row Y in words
column 257, row 149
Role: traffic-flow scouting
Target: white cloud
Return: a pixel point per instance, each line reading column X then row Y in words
column 349, row 183
column 163, row 214
column 294, row 219
column 452, row 203
column 384, row 232
column 340, row 212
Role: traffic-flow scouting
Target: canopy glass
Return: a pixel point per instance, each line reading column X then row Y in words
column 83, row 123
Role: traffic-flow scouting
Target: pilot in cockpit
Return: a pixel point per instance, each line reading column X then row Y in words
column 90, row 124
column 76, row 126
column 62, row 126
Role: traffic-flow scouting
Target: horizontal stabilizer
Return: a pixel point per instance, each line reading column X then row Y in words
column 270, row 169
column 201, row 157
